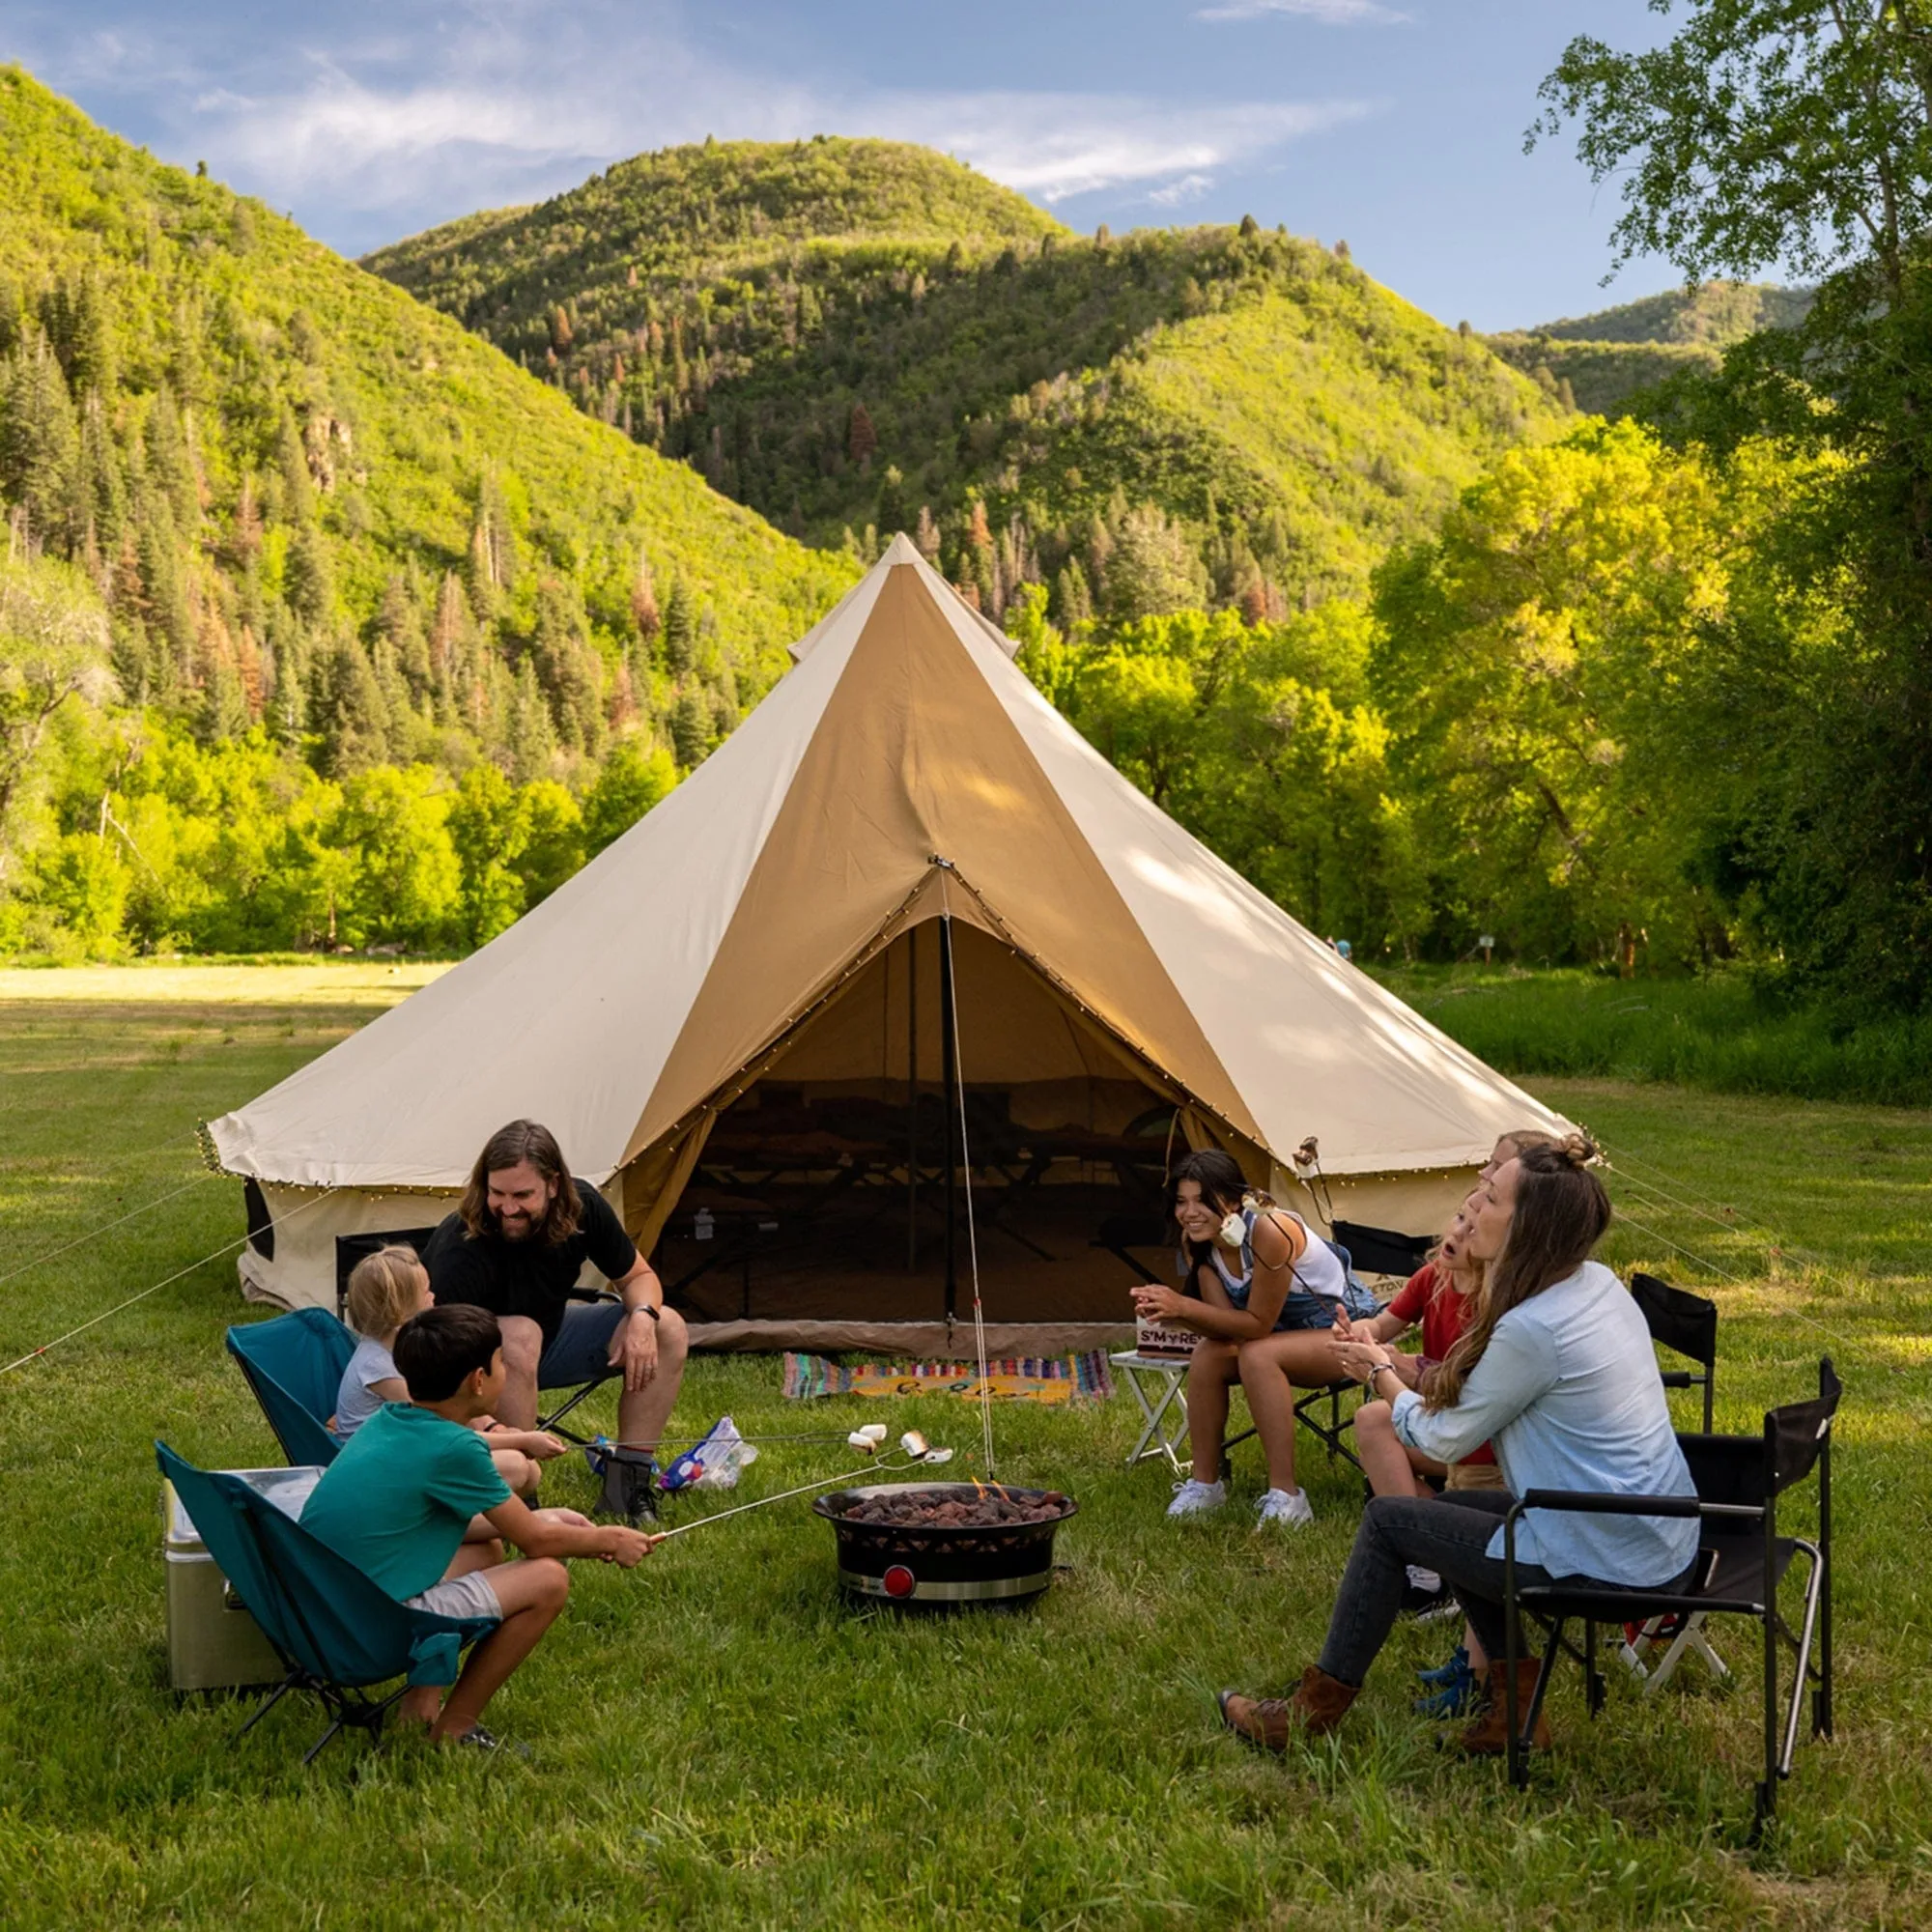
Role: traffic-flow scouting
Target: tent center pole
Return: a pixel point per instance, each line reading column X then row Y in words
column 949, row 1074
column 912, row 1099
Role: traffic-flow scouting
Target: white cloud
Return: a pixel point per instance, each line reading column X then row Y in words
column 1178, row 193
column 1330, row 13
column 368, row 136
column 1054, row 146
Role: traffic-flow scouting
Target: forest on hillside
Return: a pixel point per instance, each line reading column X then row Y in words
column 289, row 659
column 856, row 337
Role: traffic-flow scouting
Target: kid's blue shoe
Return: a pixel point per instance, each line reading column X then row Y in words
column 1455, row 1691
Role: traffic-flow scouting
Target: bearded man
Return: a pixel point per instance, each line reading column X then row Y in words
column 516, row 1245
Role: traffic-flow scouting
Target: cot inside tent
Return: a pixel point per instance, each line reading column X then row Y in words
column 903, row 982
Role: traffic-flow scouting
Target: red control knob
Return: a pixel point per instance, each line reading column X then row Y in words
column 900, row 1581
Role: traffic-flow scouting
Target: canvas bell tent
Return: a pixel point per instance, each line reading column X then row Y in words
column 905, row 986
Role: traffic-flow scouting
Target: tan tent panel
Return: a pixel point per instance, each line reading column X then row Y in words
column 739, row 1021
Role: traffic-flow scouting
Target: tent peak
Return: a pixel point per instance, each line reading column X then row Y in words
column 851, row 613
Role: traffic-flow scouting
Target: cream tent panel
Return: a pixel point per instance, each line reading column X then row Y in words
column 1315, row 1045
column 570, row 1015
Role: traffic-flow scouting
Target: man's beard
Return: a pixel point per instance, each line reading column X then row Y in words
column 521, row 1228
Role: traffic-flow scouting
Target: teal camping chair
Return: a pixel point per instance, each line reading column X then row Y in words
column 294, row 1366
column 339, row 1634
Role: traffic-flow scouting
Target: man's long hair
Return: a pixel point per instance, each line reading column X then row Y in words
column 1560, row 1215
column 509, row 1147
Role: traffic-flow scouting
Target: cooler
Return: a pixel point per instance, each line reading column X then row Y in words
column 214, row 1643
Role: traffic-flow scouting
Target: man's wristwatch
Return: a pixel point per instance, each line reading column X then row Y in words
column 645, row 1308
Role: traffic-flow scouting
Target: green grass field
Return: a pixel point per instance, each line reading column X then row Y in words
column 1718, row 1031
column 719, row 1739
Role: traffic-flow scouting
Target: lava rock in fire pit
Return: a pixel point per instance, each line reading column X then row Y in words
column 988, row 1512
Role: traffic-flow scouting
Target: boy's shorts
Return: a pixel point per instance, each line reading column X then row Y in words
column 467, row 1596
column 1474, row 1476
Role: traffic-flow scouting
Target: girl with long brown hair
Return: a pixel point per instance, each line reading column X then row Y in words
column 1556, row 1368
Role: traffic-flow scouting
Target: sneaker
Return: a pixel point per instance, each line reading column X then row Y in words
column 1289, row 1507
column 1455, row 1688
column 1421, row 1590
column 1192, row 1498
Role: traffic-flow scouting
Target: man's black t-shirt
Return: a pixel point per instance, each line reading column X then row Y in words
column 529, row 1277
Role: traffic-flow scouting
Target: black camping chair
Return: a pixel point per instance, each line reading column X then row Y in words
column 1742, row 1559
column 1382, row 1250
column 1687, row 1324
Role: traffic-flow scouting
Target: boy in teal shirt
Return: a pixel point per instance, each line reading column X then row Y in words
column 415, row 1503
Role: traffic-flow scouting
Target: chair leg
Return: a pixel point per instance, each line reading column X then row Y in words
column 1593, row 1682
column 268, row 1703
column 550, row 1421
column 1767, row 1790
column 1543, row 1676
column 309, row 1756
column 1813, row 1587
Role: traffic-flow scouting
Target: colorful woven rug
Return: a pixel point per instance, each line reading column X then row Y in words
column 1048, row 1379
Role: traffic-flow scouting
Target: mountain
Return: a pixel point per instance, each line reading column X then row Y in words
column 848, row 333
column 311, row 502
column 1607, row 357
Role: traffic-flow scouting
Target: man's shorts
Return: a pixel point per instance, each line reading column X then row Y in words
column 467, row 1596
column 1474, row 1476
column 581, row 1351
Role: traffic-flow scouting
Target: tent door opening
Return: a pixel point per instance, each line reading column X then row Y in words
column 834, row 1187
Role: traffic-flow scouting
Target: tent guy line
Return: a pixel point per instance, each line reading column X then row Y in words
column 966, row 1168
column 227, row 1247
column 106, row 1227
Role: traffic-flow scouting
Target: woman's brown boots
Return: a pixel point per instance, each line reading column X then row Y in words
column 1320, row 1703
column 1489, row 1735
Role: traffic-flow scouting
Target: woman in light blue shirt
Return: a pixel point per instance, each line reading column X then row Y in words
column 1558, row 1372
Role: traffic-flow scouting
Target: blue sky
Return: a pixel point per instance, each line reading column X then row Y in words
column 1396, row 125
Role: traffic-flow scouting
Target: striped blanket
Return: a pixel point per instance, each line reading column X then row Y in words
column 1048, row 1379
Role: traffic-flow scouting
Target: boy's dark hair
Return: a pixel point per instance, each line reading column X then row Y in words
column 435, row 1350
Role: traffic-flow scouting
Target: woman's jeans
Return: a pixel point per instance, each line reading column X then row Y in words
column 1449, row 1534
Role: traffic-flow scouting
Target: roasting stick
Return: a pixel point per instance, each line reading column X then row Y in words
column 785, row 1495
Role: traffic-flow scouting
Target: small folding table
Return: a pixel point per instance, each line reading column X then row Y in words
column 1157, row 1383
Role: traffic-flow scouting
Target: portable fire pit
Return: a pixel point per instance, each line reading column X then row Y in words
column 945, row 1543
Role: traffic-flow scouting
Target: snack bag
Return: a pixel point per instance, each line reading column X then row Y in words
column 712, row 1464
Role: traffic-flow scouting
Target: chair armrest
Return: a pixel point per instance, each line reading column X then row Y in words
column 605, row 1294
column 1599, row 1502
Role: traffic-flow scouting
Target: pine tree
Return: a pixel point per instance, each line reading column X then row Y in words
column 297, row 501
column 680, row 628
column 352, row 717
column 644, row 612
column 691, row 727
column 925, row 535
column 309, row 584
column 40, row 447
column 1072, row 600
column 532, row 735
column 170, row 463
column 892, row 502
column 399, row 624
column 860, row 437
